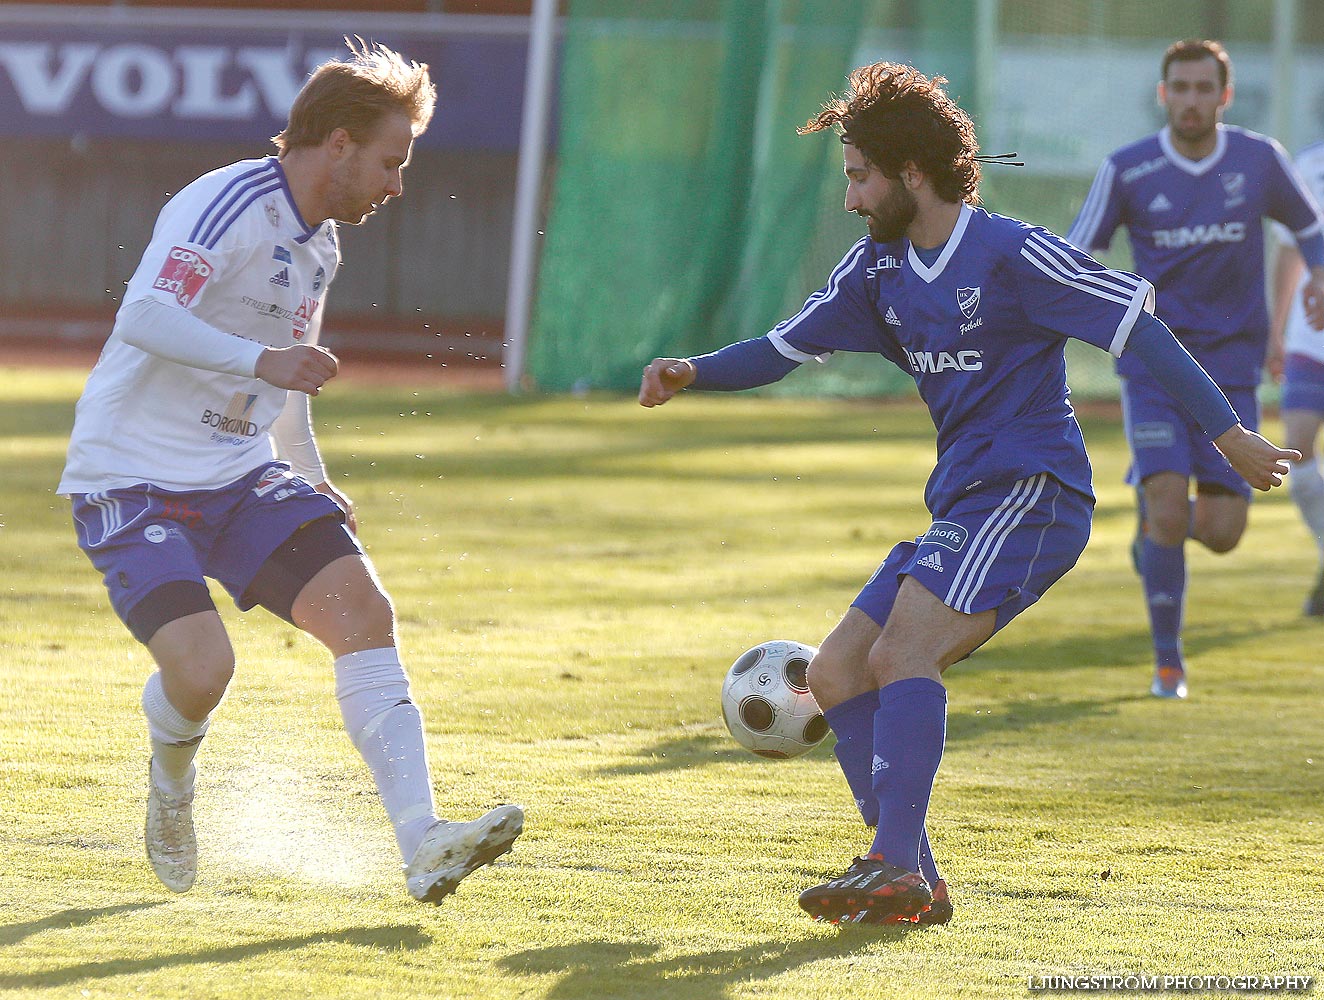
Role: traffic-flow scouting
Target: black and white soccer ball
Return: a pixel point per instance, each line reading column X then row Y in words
column 766, row 701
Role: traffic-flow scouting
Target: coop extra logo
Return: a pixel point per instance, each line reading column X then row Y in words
column 184, row 273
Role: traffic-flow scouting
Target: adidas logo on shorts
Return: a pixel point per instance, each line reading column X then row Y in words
column 931, row 561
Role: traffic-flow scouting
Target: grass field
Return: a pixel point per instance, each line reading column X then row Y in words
column 573, row 577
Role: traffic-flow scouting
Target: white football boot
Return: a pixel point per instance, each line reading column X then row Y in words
column 450, row 851
column 171, row 846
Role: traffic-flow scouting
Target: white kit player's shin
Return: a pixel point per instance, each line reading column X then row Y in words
column 175, row 740
column 1307, row 489
column 171, row 845
column 387, row 729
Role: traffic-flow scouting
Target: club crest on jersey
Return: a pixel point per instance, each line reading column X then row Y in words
column 968, row 300
column 273, row 212
column 318, row 278
column 183, row 274
column 948, row 534
column 1233, row 184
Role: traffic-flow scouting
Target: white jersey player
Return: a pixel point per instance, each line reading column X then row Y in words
column 173, row 476
column 173, row 400
column 1301, row 347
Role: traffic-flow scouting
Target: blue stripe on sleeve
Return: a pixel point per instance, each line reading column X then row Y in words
column 742, row 365
column 1170, row 363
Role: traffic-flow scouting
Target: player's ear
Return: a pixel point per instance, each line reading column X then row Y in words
column 338, row 142
column 1162, row 94
column 1227, row 96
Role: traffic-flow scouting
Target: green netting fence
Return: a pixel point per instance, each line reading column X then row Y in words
column 686, row 213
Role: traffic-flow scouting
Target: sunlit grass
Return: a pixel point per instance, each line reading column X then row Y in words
column 572, row 578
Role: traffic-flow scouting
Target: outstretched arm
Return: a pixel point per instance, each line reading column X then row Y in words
column 663, row 378
column 742, row 365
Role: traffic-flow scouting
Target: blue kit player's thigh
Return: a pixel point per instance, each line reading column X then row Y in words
column 281, row 532
column 996, row 548
column 1165, row 438
column 1303, row 384
column 1212, row 472
column 1160, row 432
column 149, row 545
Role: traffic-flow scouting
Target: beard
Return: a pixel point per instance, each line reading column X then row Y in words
column 347, row 205
column 893, row 216
column 1192, row 130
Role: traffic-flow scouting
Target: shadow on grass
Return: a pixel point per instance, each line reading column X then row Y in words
column 612, row 969
column 14, row 933
column 382, row 938
column 679, row 754
column 1031, row 714
column 1122, row 650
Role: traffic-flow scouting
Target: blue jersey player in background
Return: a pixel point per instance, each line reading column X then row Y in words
column 1193, row 198
column 978, row 309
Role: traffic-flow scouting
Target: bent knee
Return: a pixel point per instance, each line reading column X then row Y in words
column 1220, row 543
column 1168, row 529
column 833, row 678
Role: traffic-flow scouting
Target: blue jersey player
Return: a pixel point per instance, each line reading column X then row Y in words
column 977, row 309
column 192, row 456
column 1193, row 198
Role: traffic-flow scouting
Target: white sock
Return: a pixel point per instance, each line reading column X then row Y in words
column 175, row 740
column 387, row 730
column 1306, row 486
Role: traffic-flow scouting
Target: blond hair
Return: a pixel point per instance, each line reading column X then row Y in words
column 356, row 94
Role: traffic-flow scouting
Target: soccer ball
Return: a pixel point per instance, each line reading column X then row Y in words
column 766, row 701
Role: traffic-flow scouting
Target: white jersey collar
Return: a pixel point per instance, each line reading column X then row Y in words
column 929, row 274
column 1193, row 167
column 305, row 232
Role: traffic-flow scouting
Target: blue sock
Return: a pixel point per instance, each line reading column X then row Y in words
column 852, row 721
column 1163, row 570
column 927, row 866
column 908, row 736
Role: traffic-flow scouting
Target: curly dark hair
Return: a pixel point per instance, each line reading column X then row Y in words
column 894, row 114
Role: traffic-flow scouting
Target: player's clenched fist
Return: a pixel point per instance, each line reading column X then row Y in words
column 663, row 378
column 303, row 367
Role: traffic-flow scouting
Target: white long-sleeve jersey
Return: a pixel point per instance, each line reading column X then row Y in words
column 231, row 270
column 1300, row 337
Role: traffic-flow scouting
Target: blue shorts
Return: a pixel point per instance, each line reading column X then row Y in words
column 1164, row 437
column 141, row 537
column 999, row 548
column 1303, row 384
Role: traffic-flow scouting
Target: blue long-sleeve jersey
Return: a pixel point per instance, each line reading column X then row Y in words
column 982, row 330
column 1196, row 232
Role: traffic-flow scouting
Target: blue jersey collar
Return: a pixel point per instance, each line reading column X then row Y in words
column 1193, row 167
column 930, row 274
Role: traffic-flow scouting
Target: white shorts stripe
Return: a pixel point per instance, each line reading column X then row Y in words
column 988, row 541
